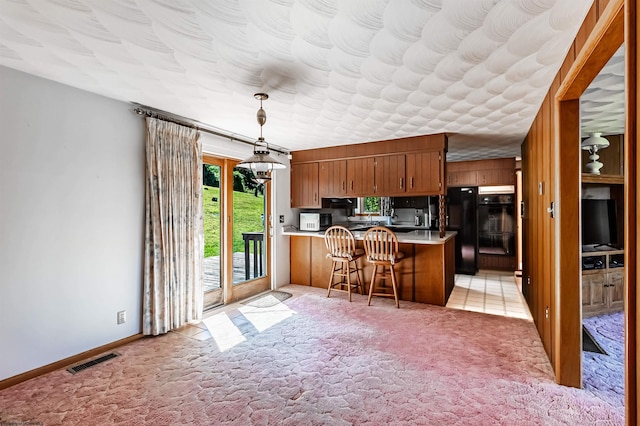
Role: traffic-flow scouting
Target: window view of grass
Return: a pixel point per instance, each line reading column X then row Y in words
column 371, row 205
column 248, row 208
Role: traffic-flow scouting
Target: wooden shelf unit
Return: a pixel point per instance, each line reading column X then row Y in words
column 602, row 286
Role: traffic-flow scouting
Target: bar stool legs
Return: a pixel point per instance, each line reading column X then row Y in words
column 343, row 269
column 383, row 274
column 381, row 248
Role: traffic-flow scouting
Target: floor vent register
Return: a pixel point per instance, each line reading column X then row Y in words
column 85, row 365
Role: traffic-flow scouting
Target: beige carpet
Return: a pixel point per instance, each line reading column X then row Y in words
column 315, row 361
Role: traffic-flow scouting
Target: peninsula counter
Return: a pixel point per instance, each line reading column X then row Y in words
column 425, row 275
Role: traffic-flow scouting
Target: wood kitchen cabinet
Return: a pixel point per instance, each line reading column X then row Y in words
column 333, row 178
column 305, row 185
column 412, row 166
column 462, row 178
column 424, row 171
column 361, row 177
column 300, row 260
column 390, row 175
column 499, row 171
column 425, row 275
column 497, row 177
column 309, row 263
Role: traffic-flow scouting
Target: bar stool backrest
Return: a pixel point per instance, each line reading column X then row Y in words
column 340, row 242
column 381, row 245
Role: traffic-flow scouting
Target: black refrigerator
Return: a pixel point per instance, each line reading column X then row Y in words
column 462, row 215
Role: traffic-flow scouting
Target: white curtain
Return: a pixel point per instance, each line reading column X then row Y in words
column 173, row 270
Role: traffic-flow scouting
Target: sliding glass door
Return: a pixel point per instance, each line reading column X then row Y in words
column 250, row 275
column 212, row 210
column 235, row 239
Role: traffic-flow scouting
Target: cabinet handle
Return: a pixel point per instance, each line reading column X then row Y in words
column 352, row 185
column 344, row 184
column 401, row 183
column 411, row 185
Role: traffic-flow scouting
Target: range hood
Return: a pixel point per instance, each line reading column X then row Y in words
column 339, row 203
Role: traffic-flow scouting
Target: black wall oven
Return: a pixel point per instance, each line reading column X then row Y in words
column 496, row 224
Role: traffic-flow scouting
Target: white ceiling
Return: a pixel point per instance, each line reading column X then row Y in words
column 337, row 71
column 602, row 105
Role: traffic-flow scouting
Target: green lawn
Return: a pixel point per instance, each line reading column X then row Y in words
column 246, row 218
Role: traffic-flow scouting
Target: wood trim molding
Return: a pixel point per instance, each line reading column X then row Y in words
column 632, row 206
column 605, row 38
column 567, row 310
column 63, row 363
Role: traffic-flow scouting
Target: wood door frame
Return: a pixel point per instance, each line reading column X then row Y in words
column 249, row 288
column 232, row 293
column 220, row 162
column 631, row 182
column 616, row 25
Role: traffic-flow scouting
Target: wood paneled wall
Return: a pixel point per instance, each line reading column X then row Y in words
column 551, row 174
column 542, row 184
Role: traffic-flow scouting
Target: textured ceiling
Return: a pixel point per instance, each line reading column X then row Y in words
column 602, row 104
column 337, row 71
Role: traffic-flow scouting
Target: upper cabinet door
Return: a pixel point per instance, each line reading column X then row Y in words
column 333, row 178
column 497, row 177
column 304, row 185
column 360, row 177
column 424, row 173
column 390, row 176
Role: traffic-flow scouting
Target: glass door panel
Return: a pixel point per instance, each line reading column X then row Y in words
column 248, row 227
column 212, row 203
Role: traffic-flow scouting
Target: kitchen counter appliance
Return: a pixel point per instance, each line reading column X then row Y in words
column 315, row 221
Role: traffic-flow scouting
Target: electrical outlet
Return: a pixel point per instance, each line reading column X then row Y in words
column 281, row 218
column 122, row 317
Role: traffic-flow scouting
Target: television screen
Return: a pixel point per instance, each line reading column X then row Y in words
column 599, row 222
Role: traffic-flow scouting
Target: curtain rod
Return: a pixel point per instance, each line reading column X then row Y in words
column 198, row 125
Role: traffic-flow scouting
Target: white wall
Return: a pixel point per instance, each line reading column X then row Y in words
column 281, row 264
column 71, row 221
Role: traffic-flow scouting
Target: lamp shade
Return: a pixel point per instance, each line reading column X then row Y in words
column 594, row 141
column 261, row 160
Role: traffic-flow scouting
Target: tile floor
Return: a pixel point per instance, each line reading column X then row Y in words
column 489, row 292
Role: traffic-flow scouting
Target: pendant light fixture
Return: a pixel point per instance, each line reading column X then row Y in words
column 261, row 163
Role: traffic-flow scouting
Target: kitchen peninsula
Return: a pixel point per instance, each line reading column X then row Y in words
column 425, row 275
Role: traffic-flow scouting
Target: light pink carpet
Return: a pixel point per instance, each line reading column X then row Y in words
column 603, row 375
column 330, row 362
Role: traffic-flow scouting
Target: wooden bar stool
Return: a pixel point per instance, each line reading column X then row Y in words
column 381, row 247
column 341, row 247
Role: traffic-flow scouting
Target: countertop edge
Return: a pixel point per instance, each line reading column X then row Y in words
column 415, row 237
